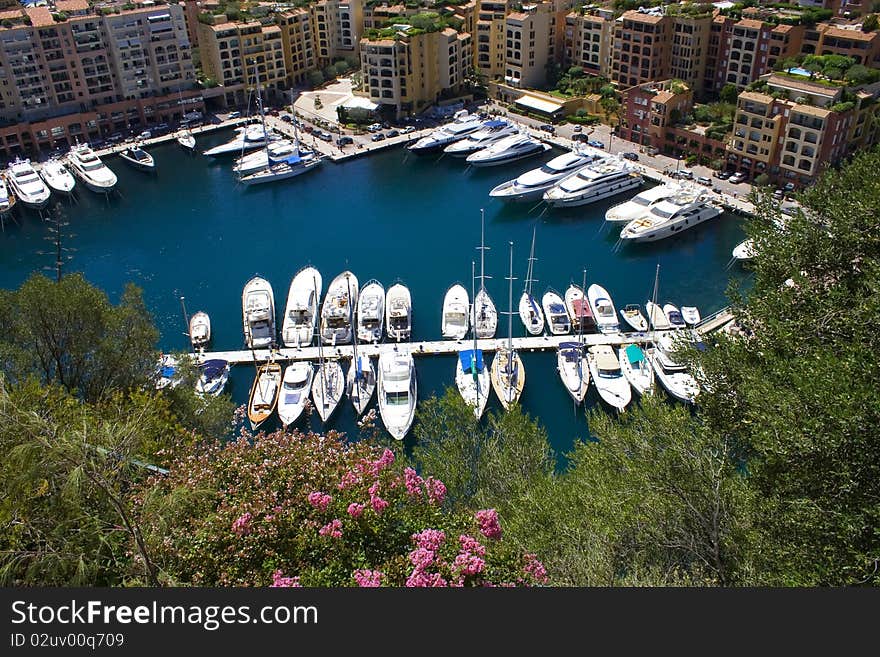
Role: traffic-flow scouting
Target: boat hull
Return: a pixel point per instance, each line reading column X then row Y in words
column 670, row 230
column 508, row 385
column 542, row 148
column 594, row 196
column 267, row 175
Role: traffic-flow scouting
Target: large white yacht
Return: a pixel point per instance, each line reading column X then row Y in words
column 89, row 168
column 510, row 149
column 398, row 391
column 460, row 127
column 301, row 313
column 685, row 210
column 57, row 177
column 27, row 185
column 641, row 203
column 338, row 309
column 276, row 151
column 594, row 182
column 246, row 138
column 532, row 184
column 488, row 134
column 258, row 313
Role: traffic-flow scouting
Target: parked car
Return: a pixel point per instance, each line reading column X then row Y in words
column 378, row 136
column 326, row 136
column 579, row 128
column 392, row 133
column 146, row 134
column 115, row 138
column 684, row 174
column 287, row 118
column 722, row 175
column 408, row 129
column 779, row 194
column 703, row 180
column 386, row 125
column 581, row 138
column 344, row 141
column 548, row 128
column 631, row 156
column 595, row 143
column 737, row 177
column 374, row 127
column 233, row 115
column 308, row 128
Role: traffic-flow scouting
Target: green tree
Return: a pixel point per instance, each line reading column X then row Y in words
column 70, row 334
column 315, row 78
column 870, row 23
column 728, row 94
column 575, row 72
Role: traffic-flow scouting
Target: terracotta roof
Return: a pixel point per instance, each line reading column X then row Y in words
column 750, row 23
column 755, row 96
column 40, row 16
column 271, row 28
column 11, row 14
column 813, row 111
column 856, row 35
column 782, row 28
column 448, row 32
column 663, row 96
column 517, row 16
column 639, row 17
column 71, row 5
column 812, row 87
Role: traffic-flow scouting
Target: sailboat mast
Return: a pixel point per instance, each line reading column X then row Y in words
column 352, row 318
column 583, row 300
column 482, row 249
column 510, row 306
column 654, row 297
column 473, row 275
column 530, row 270
column 320, row 350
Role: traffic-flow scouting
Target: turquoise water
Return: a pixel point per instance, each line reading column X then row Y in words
column 191, row 231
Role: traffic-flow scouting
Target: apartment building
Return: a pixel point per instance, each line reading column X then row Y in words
column 793, row 128
column 640, row 48
column 338, row 25
column 86, row 74
column 649, row 109
column 490, row 41
column 587, row 41
column 688, row 48
column 527, row 39
column 298, row 42
column 845, row 39
column 408, row 72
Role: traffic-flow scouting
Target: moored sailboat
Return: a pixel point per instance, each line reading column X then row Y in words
column 471, row 373
column 529, row 310
column 508, row 374
column 264, row 393
column 484, row 315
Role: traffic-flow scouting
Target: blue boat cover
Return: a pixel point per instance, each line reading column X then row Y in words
column 467, row 359
column 557, row 308
column 168, row 371
column 675, row 317
column 570, row 345
column 213, row 368
column 634, row 354
column 496, row 123
column 293, row 159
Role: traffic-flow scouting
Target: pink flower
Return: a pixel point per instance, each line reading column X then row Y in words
column 535, row 568
column 430, row 539
column 436, row 490
column 384, row 461
column 355, row 510
column 488, row 521
column 332, row 529
column 279, row 580
column 421, row 558
column 470, row 544
column 242, row 524
column 374, row 489
column 413, row 482
column 349, row 479
column 419, row 578
column 320, row 500
column 378, row 504
column 468, row 564
column 368, row 578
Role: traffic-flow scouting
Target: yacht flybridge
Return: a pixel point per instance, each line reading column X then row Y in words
column 685, row 210
column 460, row 127
column 89, row 168
column 532, row 184
column 488, row 134
column 602, row 179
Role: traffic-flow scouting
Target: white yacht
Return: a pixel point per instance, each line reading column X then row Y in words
column 579, row 310
column 27, row 185
column 674, row 316
column 295, row 387
column 456, row 307
column 604, row 178
column 328, row 385
column 213, row 375
column 574, row 369
column 138, row 158
column 632, row 315
column 200, row 329
column 690, row 315
column 258, row 313
column 360, row 383
column 89, row 168
column 488, row 134
column 462, row 125
column 636, row 368
column 685, row 210
column 558, row 320
column 745, row 250
column 603, row 309
column 641, row 203
column 293, row 165
column 656, row 317
column 673, row 376
column 301, row 313
column 529, row 309
column 398, row 312
column 612, row 386
column 398, row 391
column 531, row 185
column 472, row 379
column 510, row 149
column 186, row 140
column 371, row 312
column 259, row 160
column 245, row 139
column 57, row 177
column 7, row 199
column 338, row 309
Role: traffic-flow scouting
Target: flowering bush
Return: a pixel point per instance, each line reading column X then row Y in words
column 257, row 511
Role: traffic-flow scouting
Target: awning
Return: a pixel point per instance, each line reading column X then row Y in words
column 634, row 354
column 538, row 104
column 359, row 102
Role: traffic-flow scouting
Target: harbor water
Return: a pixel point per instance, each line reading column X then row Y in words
column 192, row 231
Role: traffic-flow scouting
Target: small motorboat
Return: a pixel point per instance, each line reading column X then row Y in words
column 167, row 375
column 264, row 393
column 398, row 391
column 603, row 309
column 612, row 386
column 7, row 198
column 187, row 141
column 295, row 388
column 579, row 309
column 632, row 315
column 200, row 329
column 360, row 383
column 691, row 315
column 636, row 368
column 371, row 312
column 57, row 177
column 558, row 320
column 673, row 315
column 138, row 158
column 213, row 375
column 456, row 308
column 745, row 250
column 398, row 312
